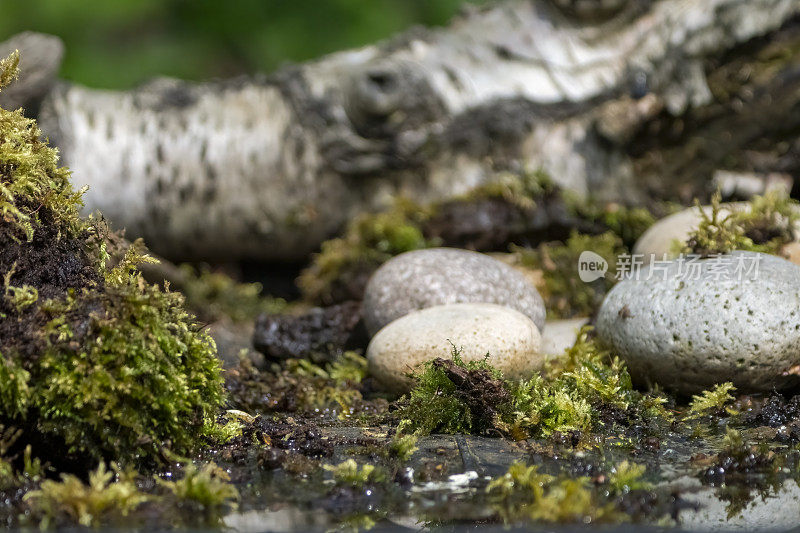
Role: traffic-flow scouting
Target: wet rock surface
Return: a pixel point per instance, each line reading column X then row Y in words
column 437, row 276
column 689, row 333
column 510, row 339
column 320, row 334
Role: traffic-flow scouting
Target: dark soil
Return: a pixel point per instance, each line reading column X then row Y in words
column 321, row 334
column 490, row 224
column 52, row 263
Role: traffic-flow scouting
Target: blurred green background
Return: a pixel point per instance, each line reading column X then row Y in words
column 119, row 43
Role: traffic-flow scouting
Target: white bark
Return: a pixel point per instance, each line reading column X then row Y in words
column 268, row 168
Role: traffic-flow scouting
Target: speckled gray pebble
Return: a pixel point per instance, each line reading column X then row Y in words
column 437, row 276
column 510, row 338
column 688, row 330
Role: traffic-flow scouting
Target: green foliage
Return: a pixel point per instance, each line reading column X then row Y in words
column 520, row 478
column 433, row 405
column 628, row 223
column 121, row 369
column 369, row 241
column 565, row 295
column 711, row 401
column 575, row 389
column 143, row 368
column 300, row 386
column 207, row 487
column 524, row 493
column 626, row 477
column 71, row 501
column 224, row 431
column 542, row 409
column 521, row 189
column 351, row 474
column 403, row 446
column 9, row 69
column 765, row 225
column 214, row 295
column 31, row 183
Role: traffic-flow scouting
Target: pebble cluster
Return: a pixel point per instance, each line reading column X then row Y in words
column 685, row 331
column 422, row 303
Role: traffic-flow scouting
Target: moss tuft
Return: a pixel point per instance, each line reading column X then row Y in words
column 71, row 501
column 214, row 295
column 523, row 493
column 341, row 269
column 300, row 386
column 565, row 295
column 711, row 401
column 580, row 392
column 403, row 446
column 349, row 473
column 627, row 477
column 96, row 363
column 206, row 488
column 766, row 225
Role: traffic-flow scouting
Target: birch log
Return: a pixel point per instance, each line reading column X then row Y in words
column 613, row 98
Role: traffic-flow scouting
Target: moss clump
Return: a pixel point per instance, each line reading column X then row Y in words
column 300, row 386
column 627, row 223
column 587, row 389
column 205, row 490
column 438, row 404
column 101, row 501
column 565, row 295
column 767, row 224
column 626, row 477
column 403, row 447
column 96, row 363
column 341, row 269
column 518, row 208
column 523, row 493
column 711, row 401
column 214, row 296
column 348, row 473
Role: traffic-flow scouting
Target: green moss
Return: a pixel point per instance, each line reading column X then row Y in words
column 523, row 189
column 765, row 225
column 403, row 446
column 340, row 270
column 577, row 392
column 525, row 493
column 565, row 295
column 96, row 363
column 627, row 223
column 214, row 295
column 349, row 473
column 626, row 477
column 301, row 386
column 711, row 401
column 32, row 184
column 206, row 488
column 434, row 404
column 71, row 501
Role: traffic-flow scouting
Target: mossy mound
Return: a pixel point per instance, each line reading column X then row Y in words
column 96, row 363
column 522, row 209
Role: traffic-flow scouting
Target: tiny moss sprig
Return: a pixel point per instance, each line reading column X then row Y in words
column 764, row 225
column 349, row 473
column 711, row 401
column 71, row 501
column 565, row 295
